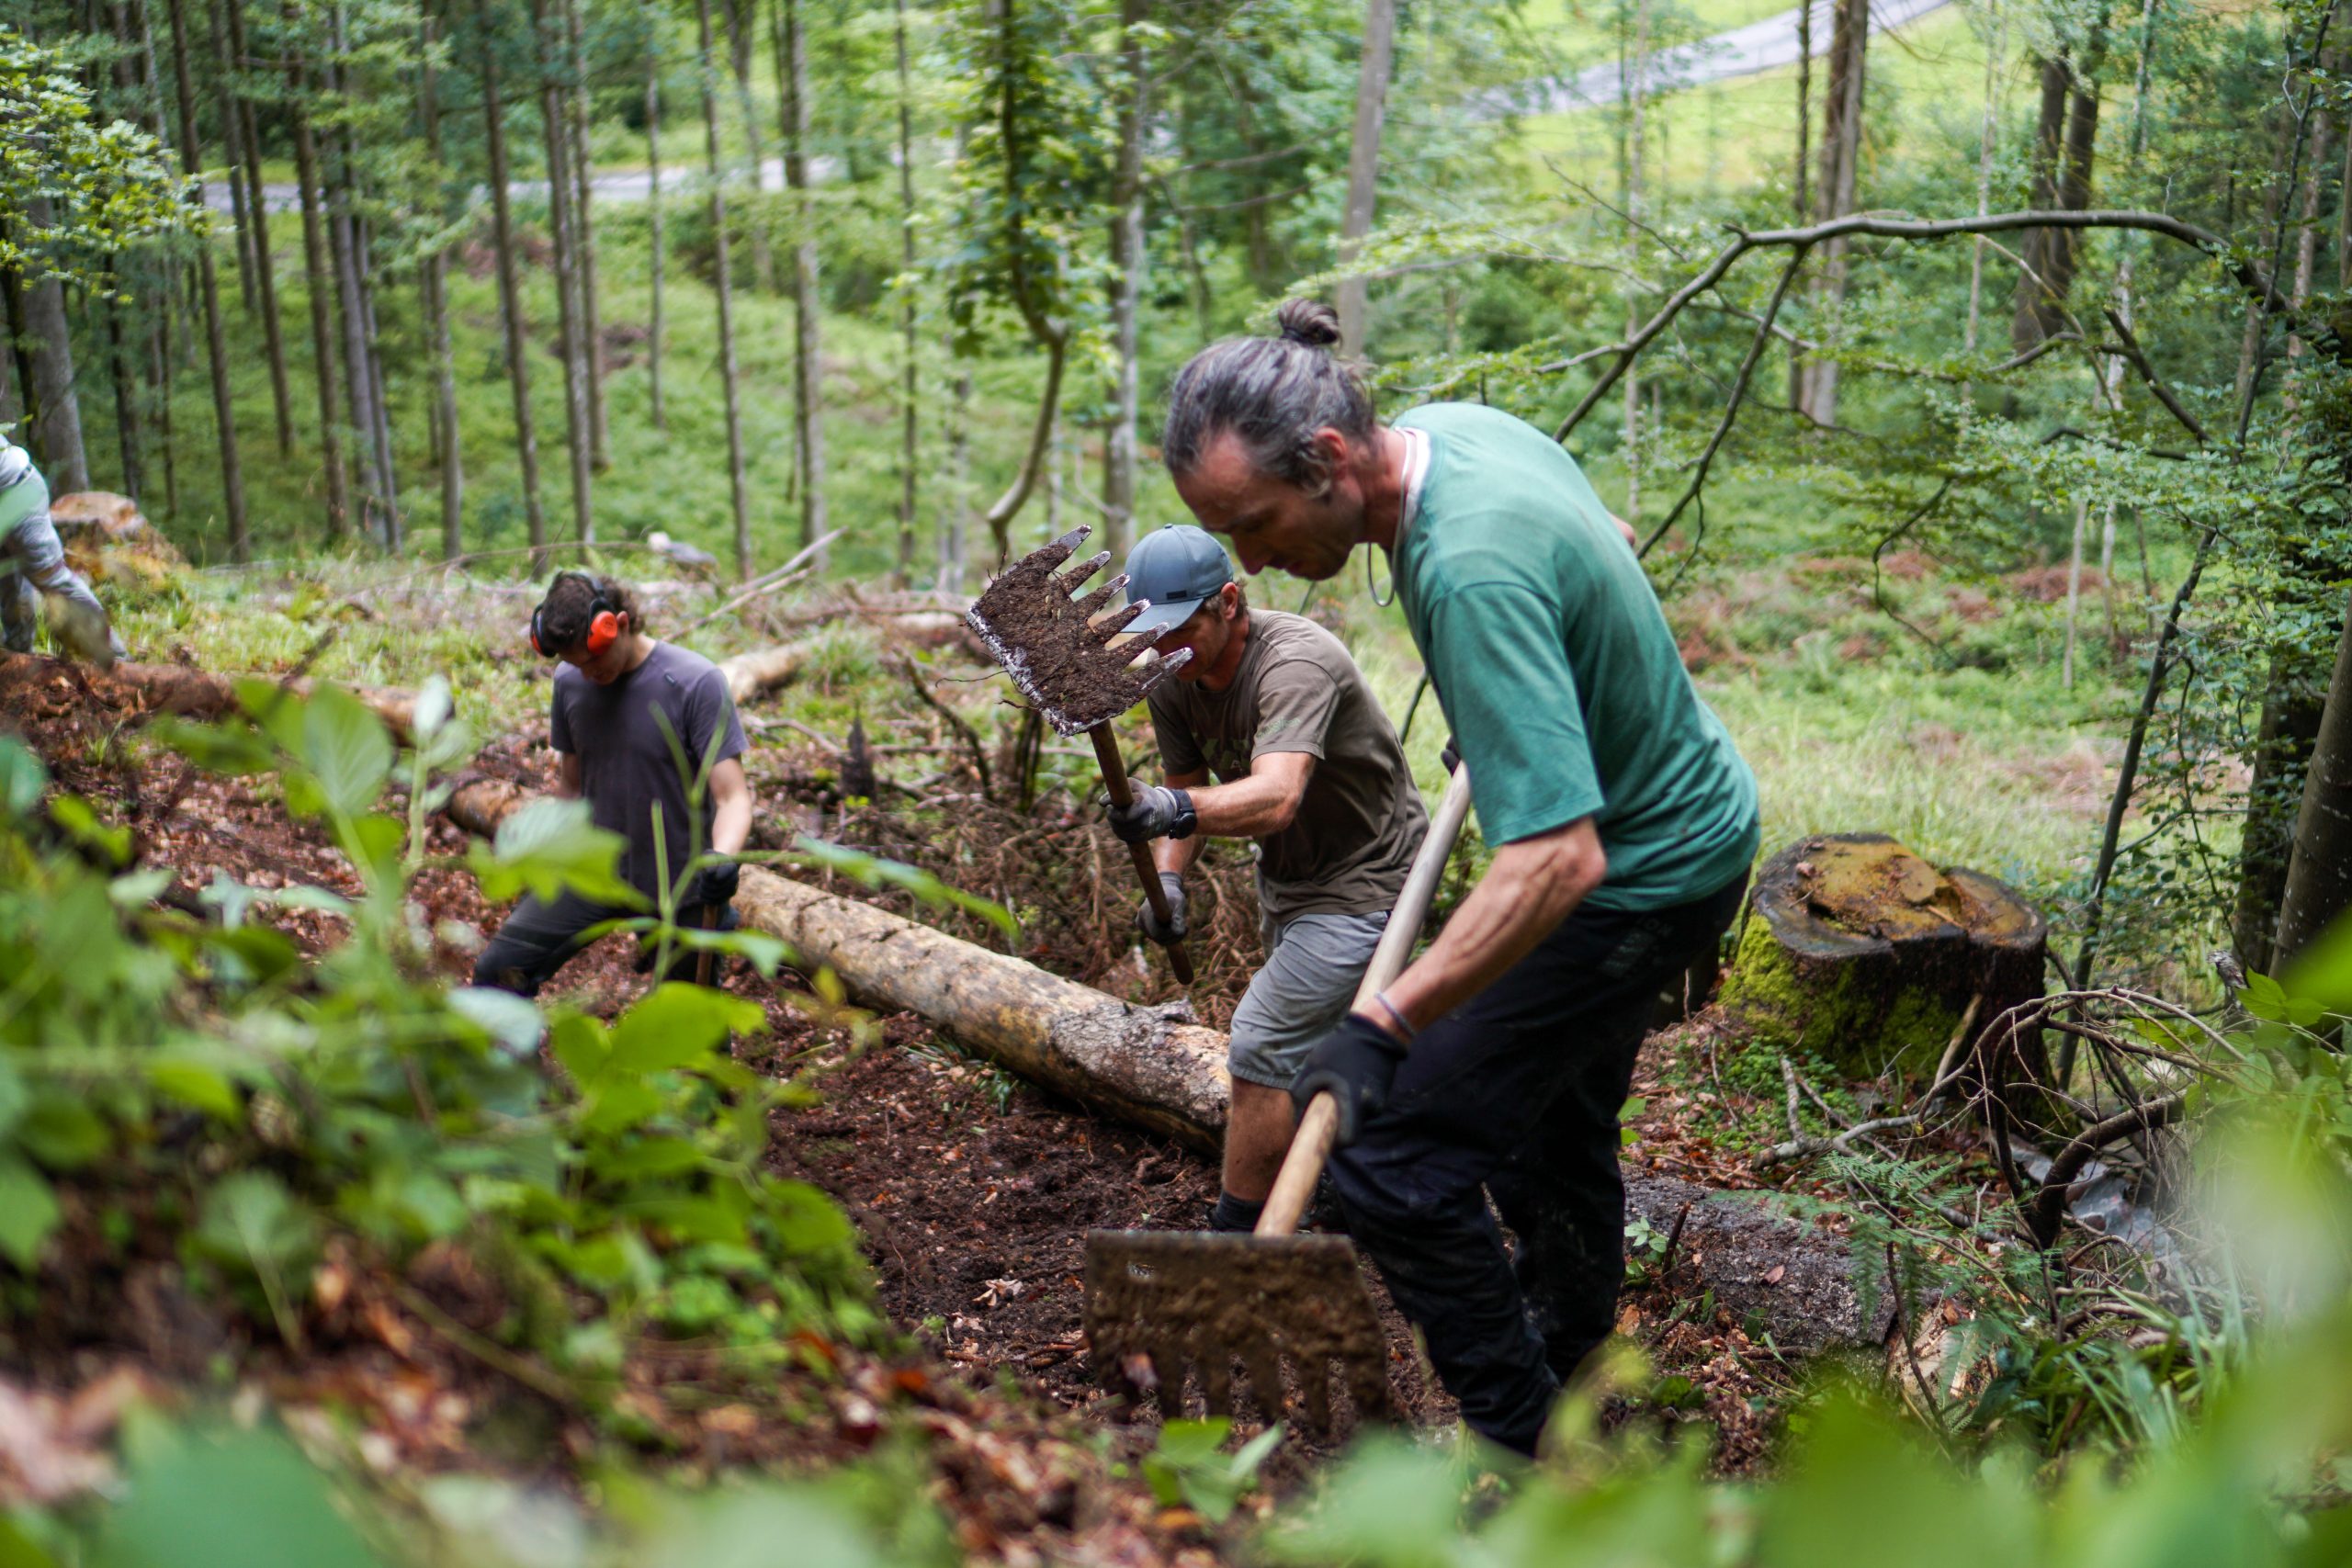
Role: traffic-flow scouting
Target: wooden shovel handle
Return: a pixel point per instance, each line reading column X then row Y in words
column 1114, row 779
column 1311, row 1145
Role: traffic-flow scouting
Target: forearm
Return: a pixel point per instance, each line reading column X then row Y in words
column 1251, row 807
column 731, row 824
column 1529, row 888
column 1176, row 854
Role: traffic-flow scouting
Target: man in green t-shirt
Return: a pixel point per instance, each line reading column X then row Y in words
column 1271, row 705
column 1623, row 821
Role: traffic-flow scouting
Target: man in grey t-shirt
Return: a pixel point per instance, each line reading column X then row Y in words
column 1272, row 706
column 620, row 700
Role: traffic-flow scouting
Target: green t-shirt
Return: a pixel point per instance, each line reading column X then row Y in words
column 1556, row 668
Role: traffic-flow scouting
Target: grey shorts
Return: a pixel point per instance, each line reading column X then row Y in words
column 1313, row 966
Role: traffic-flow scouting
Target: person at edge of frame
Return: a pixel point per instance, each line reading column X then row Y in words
column 1622, row 817
column 620, row 697
column 32, row 565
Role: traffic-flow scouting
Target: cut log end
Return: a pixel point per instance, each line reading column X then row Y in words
column 1859, row 952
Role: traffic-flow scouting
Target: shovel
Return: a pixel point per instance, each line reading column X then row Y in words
column 1159, row 1303
column 1057, row 654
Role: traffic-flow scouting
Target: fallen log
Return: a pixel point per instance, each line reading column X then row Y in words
column 36, row 684
column 1141, row 1065
column 749, row 675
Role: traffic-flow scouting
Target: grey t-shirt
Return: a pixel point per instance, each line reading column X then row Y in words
column 625, row 764
column 1348, row 849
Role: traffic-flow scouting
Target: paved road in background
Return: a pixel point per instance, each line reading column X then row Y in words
column 1743, row 52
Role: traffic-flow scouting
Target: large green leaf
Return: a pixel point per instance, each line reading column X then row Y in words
column 241, row 1500
column 677, row 1026
column 22, row 777
column 251, row 1220
column 29, row 1212
column 346, row 750
column 549, row 847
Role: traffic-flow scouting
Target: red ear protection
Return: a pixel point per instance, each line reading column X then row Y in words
column 604, row 625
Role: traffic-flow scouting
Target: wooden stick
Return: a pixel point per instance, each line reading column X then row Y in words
column 1114, row 779
column 1311, row 1145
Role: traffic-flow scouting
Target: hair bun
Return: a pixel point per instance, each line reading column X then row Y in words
column 1309, row 322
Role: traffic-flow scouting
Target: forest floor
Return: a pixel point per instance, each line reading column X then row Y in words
column 973, row 1190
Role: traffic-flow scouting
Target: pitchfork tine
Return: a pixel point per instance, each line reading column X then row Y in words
column 1111, row 626
column 1043, row 560
column 1092, row 604
column 1161, row 668
column 1068, row 581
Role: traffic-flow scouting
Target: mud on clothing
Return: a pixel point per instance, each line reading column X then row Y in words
column 1347, row 849
column 622, row 735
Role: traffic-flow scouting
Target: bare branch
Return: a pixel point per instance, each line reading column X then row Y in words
column 2129, row 347
column 1738, row 391
column 2247, row 275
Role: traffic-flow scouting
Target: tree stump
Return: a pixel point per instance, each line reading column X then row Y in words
column 1858, row 952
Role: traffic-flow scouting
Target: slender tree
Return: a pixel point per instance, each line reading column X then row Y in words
column 233, row 473
column 583, row 179
column 2319, row 873
column 1841, row 140
column 739, row 489
column 808, row 303
column 434, row 272
column 1634, row 87
column 54, row 405
column 570, row 323
column 1364, row 162
column 1128, row 257
column 319, row 291
column 742, row 21
column 237, row 108
column 910, row 398
column 510, row 296
column 654, row 208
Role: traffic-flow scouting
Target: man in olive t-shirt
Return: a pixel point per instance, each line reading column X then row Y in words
column 1271, row 705
column 1621, row 815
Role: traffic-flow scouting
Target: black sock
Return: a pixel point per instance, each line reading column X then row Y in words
column 1233, row 1214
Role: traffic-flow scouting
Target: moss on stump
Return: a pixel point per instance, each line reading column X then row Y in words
column 1859, row 953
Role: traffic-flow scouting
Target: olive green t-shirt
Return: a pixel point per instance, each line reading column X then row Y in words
column 1348, row 849
column 1554, row 663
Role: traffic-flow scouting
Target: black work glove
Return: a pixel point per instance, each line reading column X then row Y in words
column 1354, row 1064
column 715, row 883
column 1154, row 812
column 1146, row 922
column 1451, row 757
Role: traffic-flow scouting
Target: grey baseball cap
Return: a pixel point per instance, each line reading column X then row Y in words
column 1177, row 568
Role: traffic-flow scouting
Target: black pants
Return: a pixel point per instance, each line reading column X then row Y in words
column 1517, row 1092
column 539, row 939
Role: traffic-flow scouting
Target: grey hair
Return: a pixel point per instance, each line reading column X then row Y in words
column 1273, row 394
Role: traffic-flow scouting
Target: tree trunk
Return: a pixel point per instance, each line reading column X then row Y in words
column 807, row 302
column 379, row 405
column 510, row 296
column 54, row 411
column 583, row 180
column 1989, row 138
column 570, row 316
column 2062, row 248
column 910, row 430
column 232, row 474
column 1363, row 162
column 233, row 140
column 1801, row 202
column 2319, row 873
column 316, row 276
column 435, row 268
column 653, row 211
column 742, row 16
column 1633, row 77
column 1128, row 257
column 358, row 375
column 737, row 486
column 1841, row 140
column 954, row 538
column 2030, row 322
column 240, row 108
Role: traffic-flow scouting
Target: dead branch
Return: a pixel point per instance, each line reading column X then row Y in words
column 2049, row 1206
column 956, row 721
column 782, row 577
column 2266, row 294
column 2128, row 347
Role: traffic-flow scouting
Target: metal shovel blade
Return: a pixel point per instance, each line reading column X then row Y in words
column 1052, row 646
column 1163, row 1306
